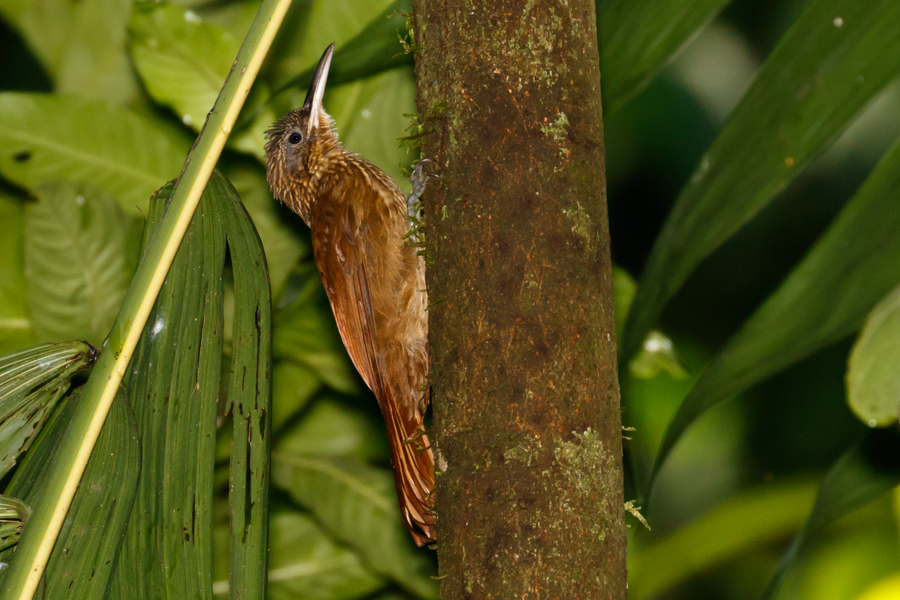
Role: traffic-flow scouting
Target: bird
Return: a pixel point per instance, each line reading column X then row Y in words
column 373, row 276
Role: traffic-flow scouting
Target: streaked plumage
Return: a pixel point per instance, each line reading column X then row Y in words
column 374, row 279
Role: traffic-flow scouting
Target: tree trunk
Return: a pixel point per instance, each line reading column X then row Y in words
column 524, row 384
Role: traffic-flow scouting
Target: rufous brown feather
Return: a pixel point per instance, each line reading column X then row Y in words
column 374, row 279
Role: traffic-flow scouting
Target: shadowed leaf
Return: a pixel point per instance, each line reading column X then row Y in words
column 833, row 60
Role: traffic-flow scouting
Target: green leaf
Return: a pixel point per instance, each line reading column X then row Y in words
column 83, row 560
column 249, row 396
column 76, row 262
column 283, row 244
column 638, row 37
column 310, row 26
column 375, row 49
column 833, row 60
column 873, row 376
column 13, row 515
column 334, row 428
column 865, row 472
column 31, row 382
column 754, row 518
column 54, row 138
column 81, row 43
column 305, row 333
column 374, row 121
column 174, row 383
column 825, row 298
column 305, row 563
column 293, row 387
column 15, row 323
column 357, row 504
column 182, row 61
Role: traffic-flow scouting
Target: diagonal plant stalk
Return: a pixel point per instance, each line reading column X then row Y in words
column 40, row 534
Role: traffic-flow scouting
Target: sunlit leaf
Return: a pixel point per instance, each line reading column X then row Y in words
column 755, row 517
column 886, row 589
column 76, row 262
column 638, row 37
column 15, row 324
column 873, row 374
column 826, row 297
column 305, row 563
column 47, row 138
column 81, row 43
column 182, row 61
column 357, row 504
column 334, row 428
column 867, row 471
column 31, row 382
column 833, row 60
column 83, row 560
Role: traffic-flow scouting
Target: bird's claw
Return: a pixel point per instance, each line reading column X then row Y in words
column 419, row 180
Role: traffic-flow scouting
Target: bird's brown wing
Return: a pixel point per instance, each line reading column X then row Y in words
column 343, row 255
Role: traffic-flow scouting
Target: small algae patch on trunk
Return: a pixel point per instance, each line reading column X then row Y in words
column 591, row 478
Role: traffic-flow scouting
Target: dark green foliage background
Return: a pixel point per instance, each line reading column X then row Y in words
column 115, row 93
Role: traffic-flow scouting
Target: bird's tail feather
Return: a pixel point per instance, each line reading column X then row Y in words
column 413, row 463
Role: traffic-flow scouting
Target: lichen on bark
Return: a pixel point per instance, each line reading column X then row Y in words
column 524, row 383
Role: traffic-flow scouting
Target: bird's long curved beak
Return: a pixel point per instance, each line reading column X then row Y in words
column 317, row 88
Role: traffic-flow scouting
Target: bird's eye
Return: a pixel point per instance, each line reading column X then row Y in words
column 295, row 138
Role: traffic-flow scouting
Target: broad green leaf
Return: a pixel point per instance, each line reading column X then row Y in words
column 375, row 49
column 833, row 60
column 83, row 560
column 293, row 387
column 175, row 379
column 15, row 324
column 865, row 472
column 174, row 385
column 873, row 373
column 181, row 60
column 310, row 26
column 31, row 382
column 47, row 138
column 81, row 44
column 334, row 428
column 750, row 520
column 638, row 37
column 305, row 563
column 886, row 589
column 76, row 262
column 13, row 514
column 249, row 396
column 305, row 333
column 283, row 244
column 357, row 504
column 825, row 298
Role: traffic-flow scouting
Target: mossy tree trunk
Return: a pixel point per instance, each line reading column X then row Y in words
column 524, row 384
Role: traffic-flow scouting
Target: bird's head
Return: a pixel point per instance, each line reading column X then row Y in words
column 299, row 145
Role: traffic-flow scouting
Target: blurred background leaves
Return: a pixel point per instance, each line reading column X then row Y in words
column 761, row 132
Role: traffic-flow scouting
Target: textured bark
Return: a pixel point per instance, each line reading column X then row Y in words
column 524, row 384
